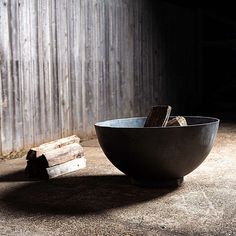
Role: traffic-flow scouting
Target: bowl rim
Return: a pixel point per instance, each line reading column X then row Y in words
column 100, row 124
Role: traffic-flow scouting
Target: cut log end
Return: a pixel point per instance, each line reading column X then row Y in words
column 177, row 121
column 158, row 116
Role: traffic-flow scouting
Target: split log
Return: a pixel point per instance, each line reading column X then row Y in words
column 40, row 170
column 158, row 116
column 63, row 154
column 177, row 121
column 38, row 151
column 60, row 155
column 68, row 167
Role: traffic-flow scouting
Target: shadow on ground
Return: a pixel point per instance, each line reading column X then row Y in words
column 17, row 176
column 78, row 195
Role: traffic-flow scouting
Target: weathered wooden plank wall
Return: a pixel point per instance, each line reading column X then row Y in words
column 65, row 64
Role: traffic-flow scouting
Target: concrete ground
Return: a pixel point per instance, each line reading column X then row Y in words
column 100, row 200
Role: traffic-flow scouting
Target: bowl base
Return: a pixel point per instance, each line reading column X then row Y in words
column 157, row 183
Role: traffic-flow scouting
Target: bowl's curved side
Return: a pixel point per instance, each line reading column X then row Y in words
column 157, row 153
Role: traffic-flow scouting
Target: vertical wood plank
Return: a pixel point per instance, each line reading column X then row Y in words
column 6, row 73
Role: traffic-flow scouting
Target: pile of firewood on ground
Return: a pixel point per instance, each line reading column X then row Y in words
column 55, row 158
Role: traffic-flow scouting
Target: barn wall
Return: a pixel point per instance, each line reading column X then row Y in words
column 66, row 64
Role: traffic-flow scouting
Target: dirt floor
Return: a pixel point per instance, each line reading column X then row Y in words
column 100, row 200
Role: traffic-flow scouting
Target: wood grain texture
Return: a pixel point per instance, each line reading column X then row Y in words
column 65, row 168
column 63, row 154
column 55, row 144
column 66, row 64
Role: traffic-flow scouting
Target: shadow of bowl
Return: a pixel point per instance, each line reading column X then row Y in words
column 157, row 156
column 78, row 195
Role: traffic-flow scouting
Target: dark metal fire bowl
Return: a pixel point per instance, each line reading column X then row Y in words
column 157, row 156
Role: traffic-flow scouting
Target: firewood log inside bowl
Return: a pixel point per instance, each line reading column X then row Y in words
column 157, row 156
